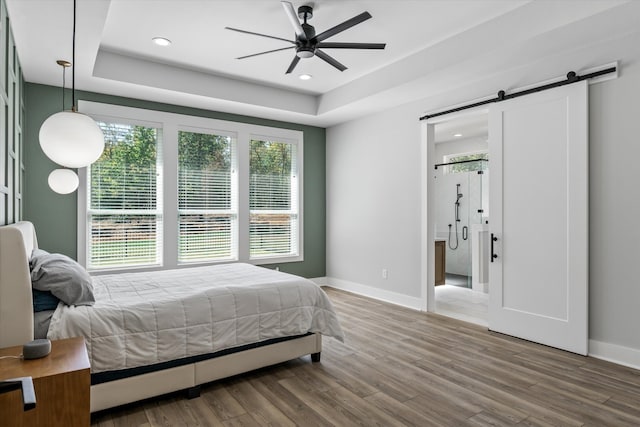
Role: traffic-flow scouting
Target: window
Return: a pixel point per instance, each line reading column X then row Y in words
column 173, row 190
column 124, row 213
column 207, row 197
column 273, row 199
column 469, row 164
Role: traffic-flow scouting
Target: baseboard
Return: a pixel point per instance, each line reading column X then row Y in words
column 320, row 281
column 375, row 293
column 615, row 353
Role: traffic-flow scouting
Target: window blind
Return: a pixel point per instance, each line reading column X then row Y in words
column 207, row 197
column 124, row 215
column 273, row 199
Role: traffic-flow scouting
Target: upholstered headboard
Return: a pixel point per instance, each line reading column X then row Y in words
column 17, row 241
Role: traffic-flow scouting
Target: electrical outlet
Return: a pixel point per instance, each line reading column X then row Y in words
column 385, row 273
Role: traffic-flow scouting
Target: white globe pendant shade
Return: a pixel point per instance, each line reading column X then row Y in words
column 63, row 181
column 71, row 139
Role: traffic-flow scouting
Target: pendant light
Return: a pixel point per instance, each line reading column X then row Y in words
column 70, row 138
column 63, row 181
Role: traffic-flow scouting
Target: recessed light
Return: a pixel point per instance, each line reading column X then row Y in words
column 161, row 41
column 305, row 76
column 457, row 135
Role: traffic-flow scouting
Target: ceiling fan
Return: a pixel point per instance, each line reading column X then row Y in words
column 307, row 44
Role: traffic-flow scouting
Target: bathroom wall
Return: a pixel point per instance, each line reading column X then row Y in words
column 462, row 146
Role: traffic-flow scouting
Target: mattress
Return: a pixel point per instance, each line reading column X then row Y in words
column 147, row 318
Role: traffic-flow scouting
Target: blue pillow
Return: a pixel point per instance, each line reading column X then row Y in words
column 43, row 300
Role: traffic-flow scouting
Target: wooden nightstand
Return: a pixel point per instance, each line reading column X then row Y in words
column 61, row 381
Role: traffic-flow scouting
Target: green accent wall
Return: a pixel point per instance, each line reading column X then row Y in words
column 55, row 215
column 11, row 124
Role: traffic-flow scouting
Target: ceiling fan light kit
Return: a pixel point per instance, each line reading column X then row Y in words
column 307, row 44
column 305, row 52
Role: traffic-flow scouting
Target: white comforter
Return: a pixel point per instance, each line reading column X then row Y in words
column 145, row 318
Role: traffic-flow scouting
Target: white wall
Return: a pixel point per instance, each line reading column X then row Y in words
column 373, row 209
column 614, row 209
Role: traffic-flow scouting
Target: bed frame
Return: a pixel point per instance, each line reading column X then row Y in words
column 18, row 240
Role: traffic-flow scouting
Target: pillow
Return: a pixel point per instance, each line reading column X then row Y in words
column 63, row 277
column 43, row 301
column 34, row 255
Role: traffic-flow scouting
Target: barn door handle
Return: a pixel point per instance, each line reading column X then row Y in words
column 493, row 239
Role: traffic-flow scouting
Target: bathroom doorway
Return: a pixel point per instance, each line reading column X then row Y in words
column 461, row 211
column 538, row 277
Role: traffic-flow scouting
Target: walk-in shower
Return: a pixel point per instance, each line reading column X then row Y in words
column 461, row 214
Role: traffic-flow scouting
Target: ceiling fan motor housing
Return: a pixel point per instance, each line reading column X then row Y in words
column 306, row 48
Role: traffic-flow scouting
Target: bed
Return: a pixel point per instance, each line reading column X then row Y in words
column 275, row 321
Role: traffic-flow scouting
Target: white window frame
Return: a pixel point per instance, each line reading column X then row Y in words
column 296, row 185
column 234, row 192
column 85, row 176
column 171, row 123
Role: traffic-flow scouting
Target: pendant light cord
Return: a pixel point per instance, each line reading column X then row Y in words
column 73, row 62
column 64, row 73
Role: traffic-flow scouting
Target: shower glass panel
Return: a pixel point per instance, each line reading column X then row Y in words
column 462, row 202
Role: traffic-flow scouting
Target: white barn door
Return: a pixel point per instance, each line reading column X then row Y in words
column 538, row 286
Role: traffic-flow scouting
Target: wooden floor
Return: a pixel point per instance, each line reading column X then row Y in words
column 401, row 367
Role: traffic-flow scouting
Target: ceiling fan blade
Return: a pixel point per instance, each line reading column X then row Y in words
column 293, row 17
column 329, row 45
column 295, row 61
column 344, row 26
column 320, row 54
column 268, row 51
column 261, row 35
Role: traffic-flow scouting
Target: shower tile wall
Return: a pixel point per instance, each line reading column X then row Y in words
column 458, row 261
